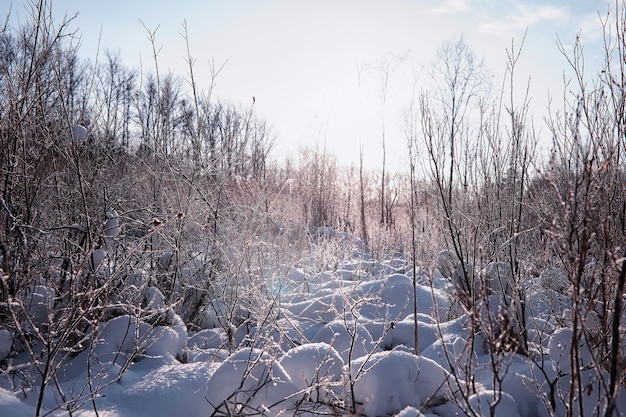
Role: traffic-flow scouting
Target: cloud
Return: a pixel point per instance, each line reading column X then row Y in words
column 524, row 17
column 452, row 7
column 591, row 27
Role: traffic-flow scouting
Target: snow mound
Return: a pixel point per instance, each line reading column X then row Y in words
column 351, row 340
column 10, row 405
column 316, row 369
column 492, row 403
column 385, row 383
column 250, row 382
column 559, row 348
column 38, row 302
column 121, row 339
column 127, row 339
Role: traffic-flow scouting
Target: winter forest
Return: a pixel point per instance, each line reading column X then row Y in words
column 157, row 260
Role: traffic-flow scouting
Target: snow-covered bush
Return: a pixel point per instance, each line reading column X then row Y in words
column 496, row 299
column 96, row 261
column 38, row 304
column 122, row 340
column 250, row 382
column 497, row 279
column 445, row 263
column 111, row 227
column 126, row 339
column 554, row 279
column 316, row 370
column 560, row 351
column 387, row 382
column 351, row 340
column 394, row 298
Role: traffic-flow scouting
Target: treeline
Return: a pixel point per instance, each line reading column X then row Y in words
column 474, row 180
column 77, row 140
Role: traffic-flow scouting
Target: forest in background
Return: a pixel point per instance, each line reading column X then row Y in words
column 109, row 174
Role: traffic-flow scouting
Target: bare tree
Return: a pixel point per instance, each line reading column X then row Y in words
column 364, row 236
column 116, row 85
column 586, row 173
column 460, row 79
column 385, row 68
column 412, row 141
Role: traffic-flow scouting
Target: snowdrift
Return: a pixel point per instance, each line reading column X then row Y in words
column 340, row 342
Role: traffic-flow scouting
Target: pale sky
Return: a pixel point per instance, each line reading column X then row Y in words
column 312, row 65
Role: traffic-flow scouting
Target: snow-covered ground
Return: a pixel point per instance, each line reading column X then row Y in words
column 334, row 343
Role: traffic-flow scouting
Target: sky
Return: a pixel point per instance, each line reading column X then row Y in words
column 314, row 67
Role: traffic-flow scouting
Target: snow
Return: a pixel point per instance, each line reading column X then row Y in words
column 315, row 369
column 112, row 225
column 6, row 343
column 38, row 302
column 10, row 405
column 489, row 403
column 351, row 340
column 79, row 133
column 249, row 380
column 560, row 350
column 338, row 342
